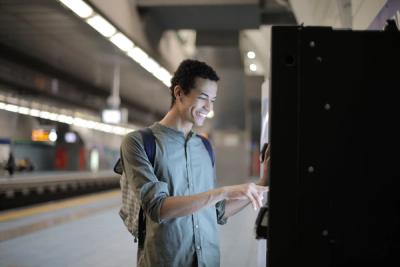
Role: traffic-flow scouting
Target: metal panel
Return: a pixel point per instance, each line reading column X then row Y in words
column 335, row 143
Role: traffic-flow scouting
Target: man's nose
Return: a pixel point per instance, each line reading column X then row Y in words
column 208, row 105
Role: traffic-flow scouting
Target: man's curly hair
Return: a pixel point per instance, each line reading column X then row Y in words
column 186, row 74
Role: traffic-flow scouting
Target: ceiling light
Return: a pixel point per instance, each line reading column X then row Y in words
column 79, row 7
column 138, row 55
column 164, row 76
column 251, row 54
column 44, row 115
column 253, row 67
column 65, row 119
column 101, row 25
column 80, row 122
column 23, row 110
column 53, row 116
column 34, row 112
column 122, row 41
column 108, row 30
column 111, row 116
column 12, row 108
column 150, row 65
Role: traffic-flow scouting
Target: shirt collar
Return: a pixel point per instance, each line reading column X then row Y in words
column 178, row 135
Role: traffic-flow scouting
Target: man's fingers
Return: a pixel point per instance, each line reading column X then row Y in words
column 261, row 189
column 258, row 197
column 252, row 200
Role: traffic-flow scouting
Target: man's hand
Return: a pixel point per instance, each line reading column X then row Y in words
column 265, row 160
column 249, row 191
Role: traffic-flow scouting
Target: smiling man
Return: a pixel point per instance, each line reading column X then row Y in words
column 178, row 193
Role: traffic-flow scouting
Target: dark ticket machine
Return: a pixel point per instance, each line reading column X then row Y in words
column 334, row 195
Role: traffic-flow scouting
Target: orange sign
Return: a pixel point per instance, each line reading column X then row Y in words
column 40, row 135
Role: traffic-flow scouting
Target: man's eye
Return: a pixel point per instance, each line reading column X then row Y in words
column 202, row 98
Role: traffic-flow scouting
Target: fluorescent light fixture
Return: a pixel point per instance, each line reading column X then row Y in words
column 77, row 121
column 97, row 126
column 23, row 110
column 118, row 130
column 111, row 116
column 253, row 67
column 106, row 128
column 12, row 108
column 138, row 55
column 122, row 41
column 65, row 119
column 44, row 115
column 164, row 76
column 79, row 7
column 53, row 116
column 251, row 54
column 210, row 114
column 80, row 122
column 34, row 112
column 150, row 65
column 101, row 25
column 91, row 125
column 104, row 27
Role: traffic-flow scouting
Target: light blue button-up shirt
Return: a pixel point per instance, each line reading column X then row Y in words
column 182, row 167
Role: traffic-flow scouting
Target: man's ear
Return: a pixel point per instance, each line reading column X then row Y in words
column 178, row 92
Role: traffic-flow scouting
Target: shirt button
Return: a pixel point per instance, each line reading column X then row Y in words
column 198, row 247
column 197, row 226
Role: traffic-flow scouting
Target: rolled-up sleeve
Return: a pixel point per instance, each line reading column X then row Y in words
column 219, row 206
column 140, row 173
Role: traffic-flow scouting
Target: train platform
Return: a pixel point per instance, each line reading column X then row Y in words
column 32, row 188
column 87, row 231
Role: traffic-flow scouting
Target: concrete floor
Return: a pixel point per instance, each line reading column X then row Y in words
column 87, row 231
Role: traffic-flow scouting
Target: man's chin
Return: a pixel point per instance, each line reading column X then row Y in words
column 199, row 122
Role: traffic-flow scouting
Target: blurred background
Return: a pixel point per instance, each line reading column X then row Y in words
column 77, row 75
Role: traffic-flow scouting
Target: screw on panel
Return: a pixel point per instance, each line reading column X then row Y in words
column 324, row 232
column 10, row 194
column 310, row 169
column 25, row 191
column 40, row 190
column 327, row 106
column 312, row 44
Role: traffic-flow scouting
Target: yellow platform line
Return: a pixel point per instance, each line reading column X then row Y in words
column 51, row 222
column 57, row 205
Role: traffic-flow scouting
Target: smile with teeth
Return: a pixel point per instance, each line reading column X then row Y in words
column 202, row 114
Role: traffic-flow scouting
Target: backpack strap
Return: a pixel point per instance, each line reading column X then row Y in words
column 209, row 148
column 149, row 143
column 118, row 167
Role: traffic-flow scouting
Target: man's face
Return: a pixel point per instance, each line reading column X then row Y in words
column 199, row 102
